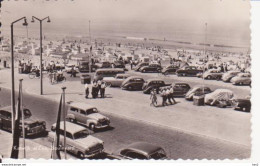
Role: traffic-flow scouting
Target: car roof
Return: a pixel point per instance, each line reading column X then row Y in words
column 132, row 77
column 7, row 108
column 143, row 147
column 70, row 127
column 153, row 79
column 83, row 106
column 123, row 75
column 110, row 69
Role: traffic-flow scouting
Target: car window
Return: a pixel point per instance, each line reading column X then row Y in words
column 69, row 135
column 91, row 111
column 81, row 134
column 120, row 77
column 123, row 152
column 74, row 109
column 83, row 112
column 158, row 155
column 135, row 155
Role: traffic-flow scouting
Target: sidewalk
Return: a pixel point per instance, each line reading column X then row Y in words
column 224, row 124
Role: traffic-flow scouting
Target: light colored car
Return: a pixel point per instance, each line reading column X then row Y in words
column 229, row 75
column 116, row 81
column 218, row 95
column 69, row 67
column 197, row 90
column 78, row 140
column 241, row 79
column 87, row 115
column 212, row 74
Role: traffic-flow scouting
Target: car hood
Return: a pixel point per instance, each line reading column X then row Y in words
column 88, row 141
column 235, row 79
column 108, row 78
column 30, row 121
column 97, row 116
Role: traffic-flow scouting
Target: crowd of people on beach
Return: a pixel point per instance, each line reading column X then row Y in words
column 96, row 88
column 167, row 94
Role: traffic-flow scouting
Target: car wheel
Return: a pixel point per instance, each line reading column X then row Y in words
column 130, row 88
column 72, row 120
column 209, row 77
column 92, row 127
column 108, row 84
column 80, row 155
column 241, row 83
column 166, row 73
column 143, row 71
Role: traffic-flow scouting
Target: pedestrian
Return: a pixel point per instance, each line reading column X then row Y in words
column 86, row 90
column 73, row 72
column 172, row 94
column 99, row 82
column 153, row 98
column 163, row 95
column 102, row 90
column 131, row 63
column 94, row 90
column 168, row 95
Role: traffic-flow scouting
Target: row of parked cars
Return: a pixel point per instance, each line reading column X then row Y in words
column 79, row 139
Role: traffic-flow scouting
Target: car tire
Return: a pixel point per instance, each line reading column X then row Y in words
column 92, row 127
column 108, row 84
column 80, row 155
column 130, row 88
column 72, row 120
column 208, row 77
column 143, row 71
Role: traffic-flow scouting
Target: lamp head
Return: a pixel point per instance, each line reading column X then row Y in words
column 25, row 22
column 32, row 19
column 49, row 20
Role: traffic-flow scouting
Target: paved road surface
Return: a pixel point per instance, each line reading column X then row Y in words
column 124, row 131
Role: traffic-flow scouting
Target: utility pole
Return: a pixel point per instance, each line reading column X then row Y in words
column 90, row 49
column 205, row 56
column 64, row 121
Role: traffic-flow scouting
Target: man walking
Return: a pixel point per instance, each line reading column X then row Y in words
column 86, row 90
column 102, row 90
column 153, row 98
column 172, row 95
column 99, row 82
column 168, row 95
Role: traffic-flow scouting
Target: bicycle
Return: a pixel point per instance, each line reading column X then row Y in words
column 33, row 75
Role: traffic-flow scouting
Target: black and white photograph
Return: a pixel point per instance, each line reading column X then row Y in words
column 126, row 79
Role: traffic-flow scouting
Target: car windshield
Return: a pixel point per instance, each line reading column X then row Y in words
column 158, row 155
column 81, row 134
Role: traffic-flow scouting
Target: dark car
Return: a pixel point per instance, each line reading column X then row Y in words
column 142, row 151
column 84, row 67
column 188, row 71
column 118, row 64
column 171, row 69
column 133, row 83
column 151, row 68
column 198, row 90
column 31, row 126
column 243, row 105
column 180, row 89
column 106, row 65
column 140, row 65
column 151, row 84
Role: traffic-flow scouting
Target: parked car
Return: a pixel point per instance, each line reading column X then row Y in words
column 116, row 81
column 106, row 65
column 151, row 68
column 151, row 84
column 68, row 68
column 32, row 126
column 212, row 74
column 198, row 90
column 242, row 105
column 141, row 151
column 78, row 140
column 180, row 89
column 226, row 77
column 87, row 115
column 118, row 64
column 133, row 83
column 171, row 69
column 140, row 65
column 188, row 71
column 84, row 67
column 219, row 95
column 241, row 79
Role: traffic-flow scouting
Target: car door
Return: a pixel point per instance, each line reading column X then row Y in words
column 118, row 80
column 82, row 116
column 176, row 90
column 7, row 120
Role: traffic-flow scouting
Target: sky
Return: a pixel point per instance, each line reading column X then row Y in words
column 224, row 17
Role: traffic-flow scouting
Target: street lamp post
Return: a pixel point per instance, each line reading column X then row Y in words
column 41, row 20
column 12, row 67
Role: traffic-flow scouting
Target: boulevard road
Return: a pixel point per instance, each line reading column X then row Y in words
column 124, row 131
